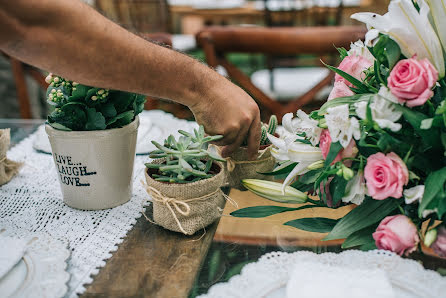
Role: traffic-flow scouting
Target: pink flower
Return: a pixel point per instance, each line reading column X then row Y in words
column 353, row 65
column 340, row 90
column 439, row 246
column 385, row 176
column 325, row 143
column 411, row 81
column 397, row 233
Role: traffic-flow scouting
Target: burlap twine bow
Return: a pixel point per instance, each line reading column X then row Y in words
column 173, row 203
column 8, row 168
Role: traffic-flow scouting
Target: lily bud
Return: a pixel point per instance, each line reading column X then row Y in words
column 347, row 173
column 430, row 237
column 316, row 165
column 273, row 191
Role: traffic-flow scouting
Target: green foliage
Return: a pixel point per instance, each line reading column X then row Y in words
column 186, row 159
column 313, row 224
column 264, row 211
column 80, row 107
column 368, row 213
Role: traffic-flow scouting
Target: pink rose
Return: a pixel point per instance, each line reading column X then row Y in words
column 411, row 81
column 340, row 90
column 385, row 176
column 325, row 143
column 439, row 246
column 398, row 234
column 354, row 66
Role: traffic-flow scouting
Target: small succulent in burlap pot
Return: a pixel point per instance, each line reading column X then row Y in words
column 8, row 168
column 184, row 183
column 239, row 166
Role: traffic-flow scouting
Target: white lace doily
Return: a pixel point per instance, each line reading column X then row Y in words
column 41, row 272
column 32, row 202
column 268, row 276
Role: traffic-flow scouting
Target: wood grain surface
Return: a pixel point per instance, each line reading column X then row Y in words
column 152, row 262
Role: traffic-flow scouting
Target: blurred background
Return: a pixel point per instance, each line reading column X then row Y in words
column 271, row 48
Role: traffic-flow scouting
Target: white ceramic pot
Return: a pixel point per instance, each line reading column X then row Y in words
column 95, row 168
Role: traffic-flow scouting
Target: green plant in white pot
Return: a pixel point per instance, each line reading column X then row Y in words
column 184, row 182
column 93, row 133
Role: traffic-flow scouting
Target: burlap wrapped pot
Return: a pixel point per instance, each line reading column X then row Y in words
column 8, row 168
column 186, row 208
column 239, row 167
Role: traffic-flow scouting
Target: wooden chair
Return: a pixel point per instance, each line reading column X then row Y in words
column 290, row 13
column 219, row 41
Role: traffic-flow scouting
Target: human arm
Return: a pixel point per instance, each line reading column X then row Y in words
column 72, row 40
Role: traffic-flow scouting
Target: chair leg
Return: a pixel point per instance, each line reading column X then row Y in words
column 21, row 87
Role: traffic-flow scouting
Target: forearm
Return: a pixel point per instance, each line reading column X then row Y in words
column 71, row 39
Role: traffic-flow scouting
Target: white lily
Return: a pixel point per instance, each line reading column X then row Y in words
column 304, row 154
column 342, row 128
column 438, row 11
column 273, row 191
column 410, row 29
column 384, row 110
column 309, row 127
column 355, row 190
column 413, row 194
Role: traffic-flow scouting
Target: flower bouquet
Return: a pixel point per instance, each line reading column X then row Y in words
column 379, row 142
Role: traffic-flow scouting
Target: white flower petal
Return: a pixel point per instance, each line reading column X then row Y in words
column 414, row 194
column 410, row 29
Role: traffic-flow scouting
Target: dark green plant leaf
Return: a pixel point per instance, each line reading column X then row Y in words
column 283, row 169
column 95, row 120
column 337, row 189
column 360, row 237
column 264, row 211
column 369, row 212
column 80, row 93
column 108, row 110
column 435, row 184
column 313, row 224
column 335, row 148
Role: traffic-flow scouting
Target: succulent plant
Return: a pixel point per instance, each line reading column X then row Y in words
column 266, row 129
column 187, row 159
column 81, row 107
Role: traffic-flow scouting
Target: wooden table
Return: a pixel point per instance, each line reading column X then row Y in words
column 153, row 262
column 192, row 20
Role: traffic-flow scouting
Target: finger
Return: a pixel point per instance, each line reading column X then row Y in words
column 227, row 139
column 254, row 137
column 241, row 136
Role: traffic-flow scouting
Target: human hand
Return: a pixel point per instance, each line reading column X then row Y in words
column 227, row 110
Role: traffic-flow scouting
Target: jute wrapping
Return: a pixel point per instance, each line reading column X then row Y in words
column 239, row 167
column 186, row 208
column 8, row 168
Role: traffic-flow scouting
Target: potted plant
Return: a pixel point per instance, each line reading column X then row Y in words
column 184, row 181
column 93, row 132
column 239, row 167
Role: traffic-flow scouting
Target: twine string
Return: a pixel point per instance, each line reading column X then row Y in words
column 175, row 203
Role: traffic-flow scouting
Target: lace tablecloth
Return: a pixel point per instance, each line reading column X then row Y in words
column 32, row 202
column 268, row 277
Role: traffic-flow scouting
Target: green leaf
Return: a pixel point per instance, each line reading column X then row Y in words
column 59, row 126
column 435, row 183
column 108, row 110
column 262, row 211
column 392, row 52
column 369, row 212
column 282, row 169
column 338, row 186
column 335, row 148
column 313, row 224
column 95, row 120
column 361, row 86
column 342, row 101
column 360, row 237
column 121, row 119
column 79, row 93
